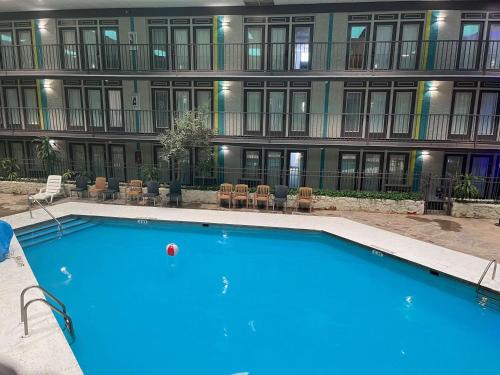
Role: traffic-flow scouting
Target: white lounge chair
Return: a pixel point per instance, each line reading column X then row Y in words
column 53, row 188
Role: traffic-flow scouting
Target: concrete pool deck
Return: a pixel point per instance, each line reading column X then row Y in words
column 46, row 351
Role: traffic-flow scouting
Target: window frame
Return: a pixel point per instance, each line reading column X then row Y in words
column 349, row 42
column 452, row 115
column 392, row 47
column 383, row 134
column 359, row 133
column 304, row 133
column 245, row 112
column 195, row 59
column 293, row 43
column 419, row 44
column 480, row 43
column 496, row 120
column 412, row 113
column 246, row 43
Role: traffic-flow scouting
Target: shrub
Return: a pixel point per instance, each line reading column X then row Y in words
column 9, row 169
column 466, row 189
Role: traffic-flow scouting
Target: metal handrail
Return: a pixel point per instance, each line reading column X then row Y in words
column 494, row 262
column 59, row 225
column 61, row 311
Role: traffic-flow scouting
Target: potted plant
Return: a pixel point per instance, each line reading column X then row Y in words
column 466, row 189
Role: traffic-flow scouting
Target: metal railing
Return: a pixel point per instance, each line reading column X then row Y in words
column 61, row 311
column 359, row 55
column 32, row 200
column 371, row 126
column 492, row 262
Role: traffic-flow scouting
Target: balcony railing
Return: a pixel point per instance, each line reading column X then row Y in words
column 349, row 126
column 442, row 55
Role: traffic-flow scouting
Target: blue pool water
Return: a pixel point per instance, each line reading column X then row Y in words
column 257, row 301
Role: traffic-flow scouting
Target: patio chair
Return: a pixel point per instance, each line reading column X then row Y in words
column 112, row 189
column 280, row 198
column 99, row 187
column 152, row 193
column 261, row 195
column 81, row 186
column 175, row 192
column 241, row 194
column 52, row 189
column 225, row 193
column 134, row 190
column 304, row 197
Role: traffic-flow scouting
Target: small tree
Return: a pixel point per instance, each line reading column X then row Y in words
column 46, row 153
column 189, row 132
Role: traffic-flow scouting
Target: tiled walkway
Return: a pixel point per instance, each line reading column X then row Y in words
column 479, row 237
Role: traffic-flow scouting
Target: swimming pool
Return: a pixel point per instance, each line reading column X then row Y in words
column 257, row 301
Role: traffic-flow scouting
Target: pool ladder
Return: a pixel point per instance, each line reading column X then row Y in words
column 61, row 310
column 32, row 200
column 485, row 296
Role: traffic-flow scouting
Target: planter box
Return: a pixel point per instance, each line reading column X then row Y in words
column 476, row 209
column 26, row 187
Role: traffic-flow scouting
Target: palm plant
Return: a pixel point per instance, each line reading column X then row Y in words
column 466, row 188
column 9, row 169
column 46, row 153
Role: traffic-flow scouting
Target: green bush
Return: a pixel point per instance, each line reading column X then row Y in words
column 9, row 169
column 466, row 189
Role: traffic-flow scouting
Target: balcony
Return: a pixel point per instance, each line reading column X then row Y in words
column 315, row 129
column 348, row 60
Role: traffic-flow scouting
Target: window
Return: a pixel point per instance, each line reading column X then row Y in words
column 353, row 113
column 117, row 156
column 158, row 45
column 348, row 170
column 69, row 49
column 77, row 157
column 278, row 50
column 203, row 102
column 377, row 118
column 480, row 168
column 30, row 104
column 253, row 112
column 74, row 110
column 299, row 108
column 251, row 164
column 493, row 51
column 111, row 48
column 372, row 168
column 382, row 51
column 302, row 48
column 274, row 166
column 94, row 108
column 7, row 49
column 98, row 160
column 180, row 43
column 489, row 108
column 296, row 168
column 25, row 49
column 469, row 48
column 462, row 104
column 409, row 46
column 203, row 48
column 115, row 109
column 182, row 102
column 402, row 118
column 454, row 165
column 17, row 153
column 205, row 171
column 276, row 102
column 12, row 107
column 358, row 36
column 161, row 109
column 254, row 39
column 397, row 168
column 90, row 53
column 161, row 164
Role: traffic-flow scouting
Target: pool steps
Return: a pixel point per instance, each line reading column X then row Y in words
column 48, row 232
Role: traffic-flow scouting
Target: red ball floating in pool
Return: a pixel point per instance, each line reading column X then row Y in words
column 172, row 249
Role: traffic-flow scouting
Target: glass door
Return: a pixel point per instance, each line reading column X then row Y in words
column 74, row 110
column 489, row 113
column 69, row 49
column 78, row 157
column 274, row 166
column 30, row 105
column 480, row 168
column 158, row 46
column 383, row 49
column 358, row 36
column 25, row 49
column 348, row 170
column 182, row 102
column 299, row 113
column 461, row 118
column 204, row 105
column 377, row 113
column 118, row 167
column 180, row 42
column 161, row 107
column 12, row 108
column 90, row 55
column 469, row 47
column 402, row 118
column 7, row 50
column 296, row 168
column 352, row 120
column 253, row 112
column 254, row 42
column 203, row 48
column 409, row 46
column 95, row 115
column 302, row 47
column 278, row 50
column 493, row 51
column 371, row 179
column 98, row 163
column 115, row 109
column 276, row 103
column 111, row 48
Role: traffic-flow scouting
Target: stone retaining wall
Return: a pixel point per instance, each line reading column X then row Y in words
column 476, row 210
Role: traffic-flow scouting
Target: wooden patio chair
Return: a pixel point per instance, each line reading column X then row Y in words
column 134, row 190
column 262, row 194
column 304, row 198
column 241, row 194
column 99, row 187
column 225, row 193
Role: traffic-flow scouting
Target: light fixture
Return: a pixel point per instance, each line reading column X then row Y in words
column 52, row 142
column 425, row 153
column 224, row 148
column 440, row 18
column 47, row 84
